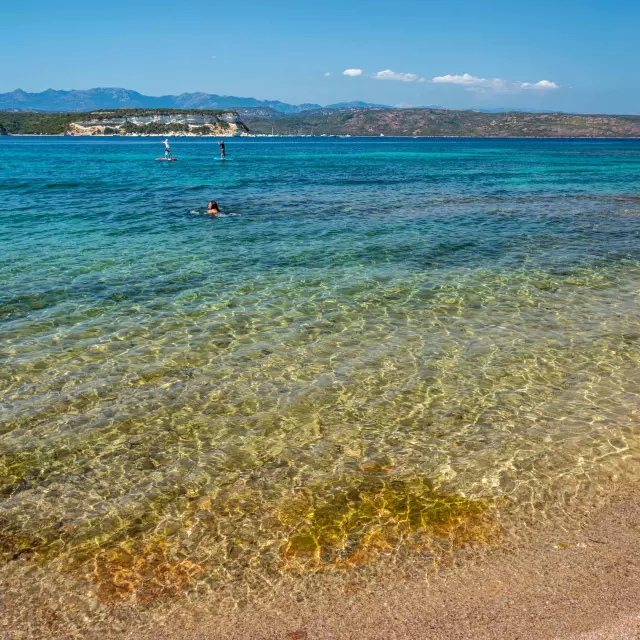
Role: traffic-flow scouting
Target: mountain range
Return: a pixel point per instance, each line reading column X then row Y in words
column 114, row 98
column 83, row 100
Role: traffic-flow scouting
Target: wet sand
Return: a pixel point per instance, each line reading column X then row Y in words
column 578, row 583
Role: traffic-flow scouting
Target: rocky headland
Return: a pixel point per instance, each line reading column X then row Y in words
column 125, row 122
column 149, row 123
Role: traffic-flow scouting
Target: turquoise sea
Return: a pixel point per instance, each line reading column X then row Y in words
column 384, row 348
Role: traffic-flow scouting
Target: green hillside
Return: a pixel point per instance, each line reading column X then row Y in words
column 444, row 122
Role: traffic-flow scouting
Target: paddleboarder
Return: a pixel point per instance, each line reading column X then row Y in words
column 223, row 151
column 167, row 148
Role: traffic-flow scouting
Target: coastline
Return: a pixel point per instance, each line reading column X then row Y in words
column 578, row 583
column 576, row 578
column 355, row 137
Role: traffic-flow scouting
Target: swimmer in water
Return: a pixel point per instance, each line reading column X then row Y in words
column 213, row 209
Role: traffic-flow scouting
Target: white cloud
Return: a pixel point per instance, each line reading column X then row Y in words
column 465, row 79
column 473, row 83
column 542, row 85
column 387, row 74
column 353, row 73
column 326, row 75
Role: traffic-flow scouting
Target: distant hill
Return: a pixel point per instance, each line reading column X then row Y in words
column 513, row 109
column 445, row 122
column 354, row 103
column 110, row 98
column 260, row 112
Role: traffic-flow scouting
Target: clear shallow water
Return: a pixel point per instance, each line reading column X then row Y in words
column 385, row 345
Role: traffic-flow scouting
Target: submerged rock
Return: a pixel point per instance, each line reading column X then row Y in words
column 349, row 523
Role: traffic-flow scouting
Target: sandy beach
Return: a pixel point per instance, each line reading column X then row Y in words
column 580, row 583
column 576, row 581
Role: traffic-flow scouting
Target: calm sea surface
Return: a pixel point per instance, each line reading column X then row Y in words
column 383, row 346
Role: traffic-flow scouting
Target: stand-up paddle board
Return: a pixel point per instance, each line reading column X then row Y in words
column 166, row 159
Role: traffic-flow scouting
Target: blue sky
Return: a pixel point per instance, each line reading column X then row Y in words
column 481, row 53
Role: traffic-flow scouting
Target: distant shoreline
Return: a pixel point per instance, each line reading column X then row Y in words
column 353, row 122
column 373, row 136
